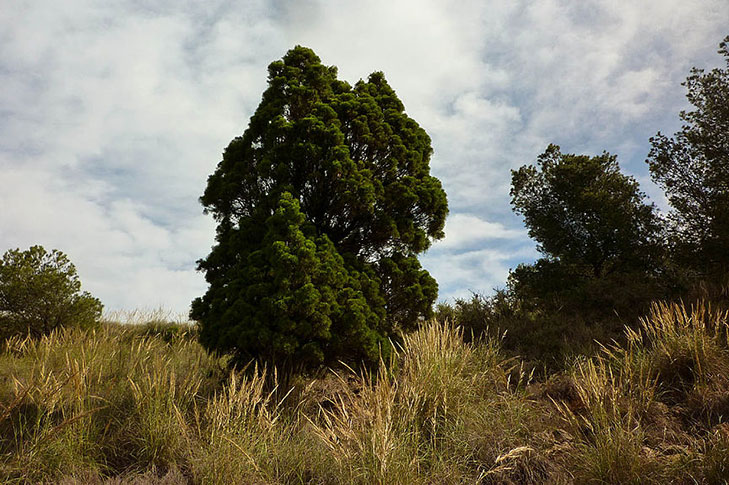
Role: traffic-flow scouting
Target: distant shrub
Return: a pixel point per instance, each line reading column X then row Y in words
column 543, row 336
column 168, row 331
column 40, row 291
column 477, row 314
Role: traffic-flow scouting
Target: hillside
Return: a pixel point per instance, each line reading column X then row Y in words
column 146, row 404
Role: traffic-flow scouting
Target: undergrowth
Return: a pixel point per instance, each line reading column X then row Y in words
column 146, row 404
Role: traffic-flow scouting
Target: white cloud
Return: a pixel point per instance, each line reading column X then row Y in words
column 121, row 256
column 464, row 230
column 474, row 271
column 112, row 114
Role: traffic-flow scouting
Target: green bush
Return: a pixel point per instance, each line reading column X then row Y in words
column 40, row 291
column 543, row 338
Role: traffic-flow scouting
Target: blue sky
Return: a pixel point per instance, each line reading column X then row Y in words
column 113, row 113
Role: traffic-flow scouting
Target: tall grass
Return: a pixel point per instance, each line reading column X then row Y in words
column 108, row 399
column 146, row 404
column 434, row 419
column 639, row 406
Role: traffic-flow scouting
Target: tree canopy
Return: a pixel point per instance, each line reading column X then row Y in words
column 41, row 291
column 693, row 169
column 583, row 211
column 322, row 205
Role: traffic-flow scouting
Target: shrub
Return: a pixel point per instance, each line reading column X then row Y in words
column 40, row 291
column 543, row 335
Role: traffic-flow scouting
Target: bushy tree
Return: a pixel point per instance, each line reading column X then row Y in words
column 584, row 212
column 603, row 255
column 693, row 169
column 323, row 205
column 41, row 291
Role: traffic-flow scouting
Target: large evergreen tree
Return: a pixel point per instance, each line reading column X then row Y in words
column 693, row 169
column 323, row 205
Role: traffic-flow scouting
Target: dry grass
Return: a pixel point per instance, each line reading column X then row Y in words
column 652, row 411
column 145, row 404
column 435, row 418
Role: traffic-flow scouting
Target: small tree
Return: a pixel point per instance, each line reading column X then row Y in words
column 323, row 205
column 693, row 169
column 602, row 250
column 40, row 291
column 584, row 212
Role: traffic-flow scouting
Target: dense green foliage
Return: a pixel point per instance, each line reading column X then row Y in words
column 693, row 169
column 603, row 258
column 41, row 291
column 323, row 205
column 294, row 298
column 583, row 211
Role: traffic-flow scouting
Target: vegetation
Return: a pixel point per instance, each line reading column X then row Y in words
column 606, row 361
column 693, row 169
column 604, row 262
column 607, row 254
column 322, row 207
column 583, row 212
column 125, row 404
column 41, row 291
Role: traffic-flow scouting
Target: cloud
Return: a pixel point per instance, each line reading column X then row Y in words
column 464, row 230
column 113, row 114
column 474, row 271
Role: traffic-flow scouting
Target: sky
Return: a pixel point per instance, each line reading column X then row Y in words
column 113, row 113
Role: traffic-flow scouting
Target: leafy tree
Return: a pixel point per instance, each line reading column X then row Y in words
column 40, row 291
column 693, row 169
column 583, row 212
column 602, row 246
column 323, row 205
